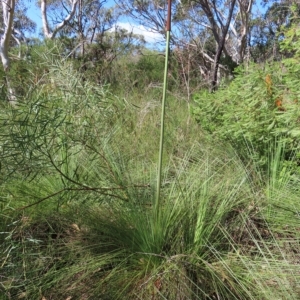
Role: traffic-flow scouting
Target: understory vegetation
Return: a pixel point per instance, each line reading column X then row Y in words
column 78, row 183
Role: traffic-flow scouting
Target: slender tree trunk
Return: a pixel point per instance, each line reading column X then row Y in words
column 245, row 9
column 81, row 33
column 220, row 48
column 8, row 8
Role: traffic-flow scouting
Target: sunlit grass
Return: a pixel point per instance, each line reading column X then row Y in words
column 83, row 224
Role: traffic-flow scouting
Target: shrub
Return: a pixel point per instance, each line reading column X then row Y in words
column 259, row 107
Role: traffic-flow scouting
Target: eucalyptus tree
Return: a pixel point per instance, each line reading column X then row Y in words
column 267, row 29
column 60, row 13
column 91, row 19
column 14, row 24
column 8, row 9
column 110, row 55
column 81, row 20
column 21, row 26
column 246, row 31
column 225, row 26
column 225, row 22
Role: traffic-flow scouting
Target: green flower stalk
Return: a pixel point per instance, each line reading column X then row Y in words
column 162, row 125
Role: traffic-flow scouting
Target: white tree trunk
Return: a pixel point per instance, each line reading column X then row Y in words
column 46, row 29
column 245, row 10
column 8, row 8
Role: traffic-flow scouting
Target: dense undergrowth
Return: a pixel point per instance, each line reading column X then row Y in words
column 78, row 178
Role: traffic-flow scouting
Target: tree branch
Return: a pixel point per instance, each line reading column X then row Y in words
column 48, row 34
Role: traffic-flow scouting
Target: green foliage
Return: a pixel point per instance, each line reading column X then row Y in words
column 139, row 70
column 30, row 69
column 123, row 250
column 291, row 43
column 98, row 61
column 260, row 106
column 77, row 188
column 259, row 110
column 44, row 138
column 151, row 66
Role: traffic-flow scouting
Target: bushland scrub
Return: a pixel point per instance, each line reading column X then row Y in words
column 78, row 178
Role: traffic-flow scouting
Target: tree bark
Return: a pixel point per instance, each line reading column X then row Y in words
column 220, row 48
column 245, row 9
column 8, row 8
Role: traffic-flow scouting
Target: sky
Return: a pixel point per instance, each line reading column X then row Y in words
column 35, row 15
column 151, row 37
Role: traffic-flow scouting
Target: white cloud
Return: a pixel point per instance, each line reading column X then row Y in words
column 149, row 35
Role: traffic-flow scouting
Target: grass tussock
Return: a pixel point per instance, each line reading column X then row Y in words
column 78, row 217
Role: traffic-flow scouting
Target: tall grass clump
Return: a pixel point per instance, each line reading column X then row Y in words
column 205, row 243
column 78, row 216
